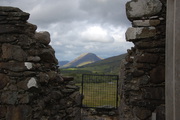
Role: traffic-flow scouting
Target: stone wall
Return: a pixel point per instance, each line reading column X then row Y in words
column 143, row 72
column 31, row 87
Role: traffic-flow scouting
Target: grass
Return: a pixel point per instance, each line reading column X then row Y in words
column 99, row 94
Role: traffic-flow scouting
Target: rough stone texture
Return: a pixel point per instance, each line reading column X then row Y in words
column 143, row 79
column 142, row 8
column 3, row 80
column 142, row 113
column 145, row 23
column 140, row 33
column 31, row 87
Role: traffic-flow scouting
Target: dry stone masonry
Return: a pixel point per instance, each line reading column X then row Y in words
column 31, row 87
column 143, row 72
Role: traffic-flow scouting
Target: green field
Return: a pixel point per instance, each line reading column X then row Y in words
column 99, row 94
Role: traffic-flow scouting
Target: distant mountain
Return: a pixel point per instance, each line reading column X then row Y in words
column 61, row 63
column 83, row 59
column 108, row 66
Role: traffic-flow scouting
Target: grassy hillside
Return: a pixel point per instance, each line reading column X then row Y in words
column 86, row 58
column 105, row 66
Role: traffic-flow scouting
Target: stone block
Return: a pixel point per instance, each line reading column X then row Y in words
column 23, row 98
column 13, row 52
column 33, row 58
column 43, row 77
column 30, row 29
column 7, row 38
column 150, row 44
column 133, row 34
column 13, row 66
column 48, row 56
column 3, row 111
column 43, row 37
column 145, row 23
column 21, row 112
column 4, row 79
column 142, row 113
column 4, row 29
column 24, row 41
column 142, row 8
column 9, row 97
column 160, row 112
column 137, row 73
column 147, row 58
column 157, row 75
column 155, row 93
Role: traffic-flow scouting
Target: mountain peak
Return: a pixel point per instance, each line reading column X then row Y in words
column 83, row 59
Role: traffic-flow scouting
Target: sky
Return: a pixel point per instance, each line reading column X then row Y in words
column 79, row 26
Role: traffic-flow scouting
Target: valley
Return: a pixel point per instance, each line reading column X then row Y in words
column 104, row 66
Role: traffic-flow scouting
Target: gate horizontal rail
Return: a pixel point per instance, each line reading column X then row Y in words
column 99, row 91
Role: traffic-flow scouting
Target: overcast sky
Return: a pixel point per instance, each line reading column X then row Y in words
column 79, row 26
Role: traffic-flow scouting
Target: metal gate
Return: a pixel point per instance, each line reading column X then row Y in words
column 100, row 91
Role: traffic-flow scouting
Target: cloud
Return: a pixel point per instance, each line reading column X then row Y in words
column 79, row 26
column 96, row 34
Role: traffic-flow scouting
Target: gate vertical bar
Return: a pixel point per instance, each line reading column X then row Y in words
column 117, row 91
column 82, row 94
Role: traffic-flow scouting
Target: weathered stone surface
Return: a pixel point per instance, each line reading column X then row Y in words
column 30, row 29
column 4, row 79
column 145, row 23
column 68, row 90
column 150, row 44
column 160, row 112
column 144, row 80
column 137, row 73
column 43, row 37
column 32, row 82
column 68, row 78
column 142, row 113
column 133, row 34
column 13, row 66
column 33, row 58
column 72, row 87
column 157, row 93
column 21, row 112
column 142, row 8
column 23, row 84
column 3, row 111
column 9, row 97
column 28, row 65
column 11, row 29
column 56, row 95
column 76, row 97
column 24, row 41
column 148, row 58
column 23, row 99
column 43, row 77
column 155, row 50
column 157, row 75
column 13, row 52
column 7, row 38
column 48, row 56
column 9, row 9
column 52, row 75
